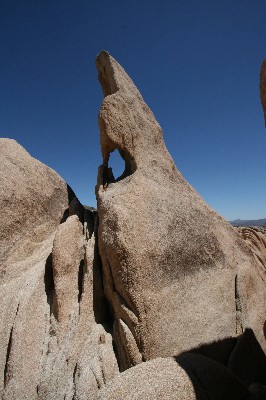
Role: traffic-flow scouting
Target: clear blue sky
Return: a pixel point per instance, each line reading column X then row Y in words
column 196, row 64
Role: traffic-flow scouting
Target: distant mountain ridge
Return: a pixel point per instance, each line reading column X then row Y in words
column 249, row 222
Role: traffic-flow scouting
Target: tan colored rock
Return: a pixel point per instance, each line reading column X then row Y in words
column 256, row 240
column 33, row 201
column 68, row 264
column 172, row 266
column 263, row 88
column 49, row 339
column 188, row 377
column 251, row 284
column 157, row 379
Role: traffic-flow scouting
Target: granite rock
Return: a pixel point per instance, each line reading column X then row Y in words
column 51, row 346
column 176, row 274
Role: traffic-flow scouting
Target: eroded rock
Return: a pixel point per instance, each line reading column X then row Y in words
column 51, row 346
column 174, row 270
column 68, row 269
column 177, row 276
column 188, row 377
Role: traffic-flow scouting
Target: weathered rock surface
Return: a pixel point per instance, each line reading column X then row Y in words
column 180, row 281
column 263, row 88
column 188, row 377
column 161, row 378
column 175, row 273
column 256, row 239
column 50, row 345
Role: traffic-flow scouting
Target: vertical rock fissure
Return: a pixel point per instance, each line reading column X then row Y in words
column 9, row 346
column 7, row 357
column 49, row 283
column 80, row 279
column 101, row 307
column 74, row 382
column 239, row 327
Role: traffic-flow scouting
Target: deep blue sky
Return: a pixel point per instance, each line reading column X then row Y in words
column 196, row 64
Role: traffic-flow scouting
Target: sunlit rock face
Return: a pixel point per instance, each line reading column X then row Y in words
column 51, row 346
column 175, row 273
column 263, row 88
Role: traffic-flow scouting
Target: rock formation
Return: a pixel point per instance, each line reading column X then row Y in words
column 51, row 346
column 263, row 88
column 161, row 278
column 188, row 377
column 176, row 274
column 256, row 239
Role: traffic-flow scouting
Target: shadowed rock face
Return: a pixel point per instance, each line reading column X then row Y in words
column 175, row 273
column 188, row 377
column 263, row 88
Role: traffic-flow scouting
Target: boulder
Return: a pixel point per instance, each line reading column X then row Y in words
column 161, row 378
column 188, row 377
column 175, row 272
column 33, row 199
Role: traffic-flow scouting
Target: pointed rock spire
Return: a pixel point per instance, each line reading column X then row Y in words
column 169, row 261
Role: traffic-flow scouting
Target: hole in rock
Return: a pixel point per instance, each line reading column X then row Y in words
column 120, row 165
column 117, row 164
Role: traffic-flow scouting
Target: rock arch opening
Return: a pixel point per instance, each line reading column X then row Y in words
column 119, row 166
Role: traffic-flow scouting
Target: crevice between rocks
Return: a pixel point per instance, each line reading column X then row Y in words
column 125, row 341
column 102, row 309
column 49, row 284
column 80, row 279
column 74, row 381
column 8, row 352
column 7, row 357
column 239, row 326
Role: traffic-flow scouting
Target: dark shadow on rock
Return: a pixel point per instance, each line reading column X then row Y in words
column 74, row 207
column 80, row 279
column 219, row 351
column 101, row 308
column 90, row 217
column 248, row 360
column 223, row 370
column 49, row 282
column 211, row 380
